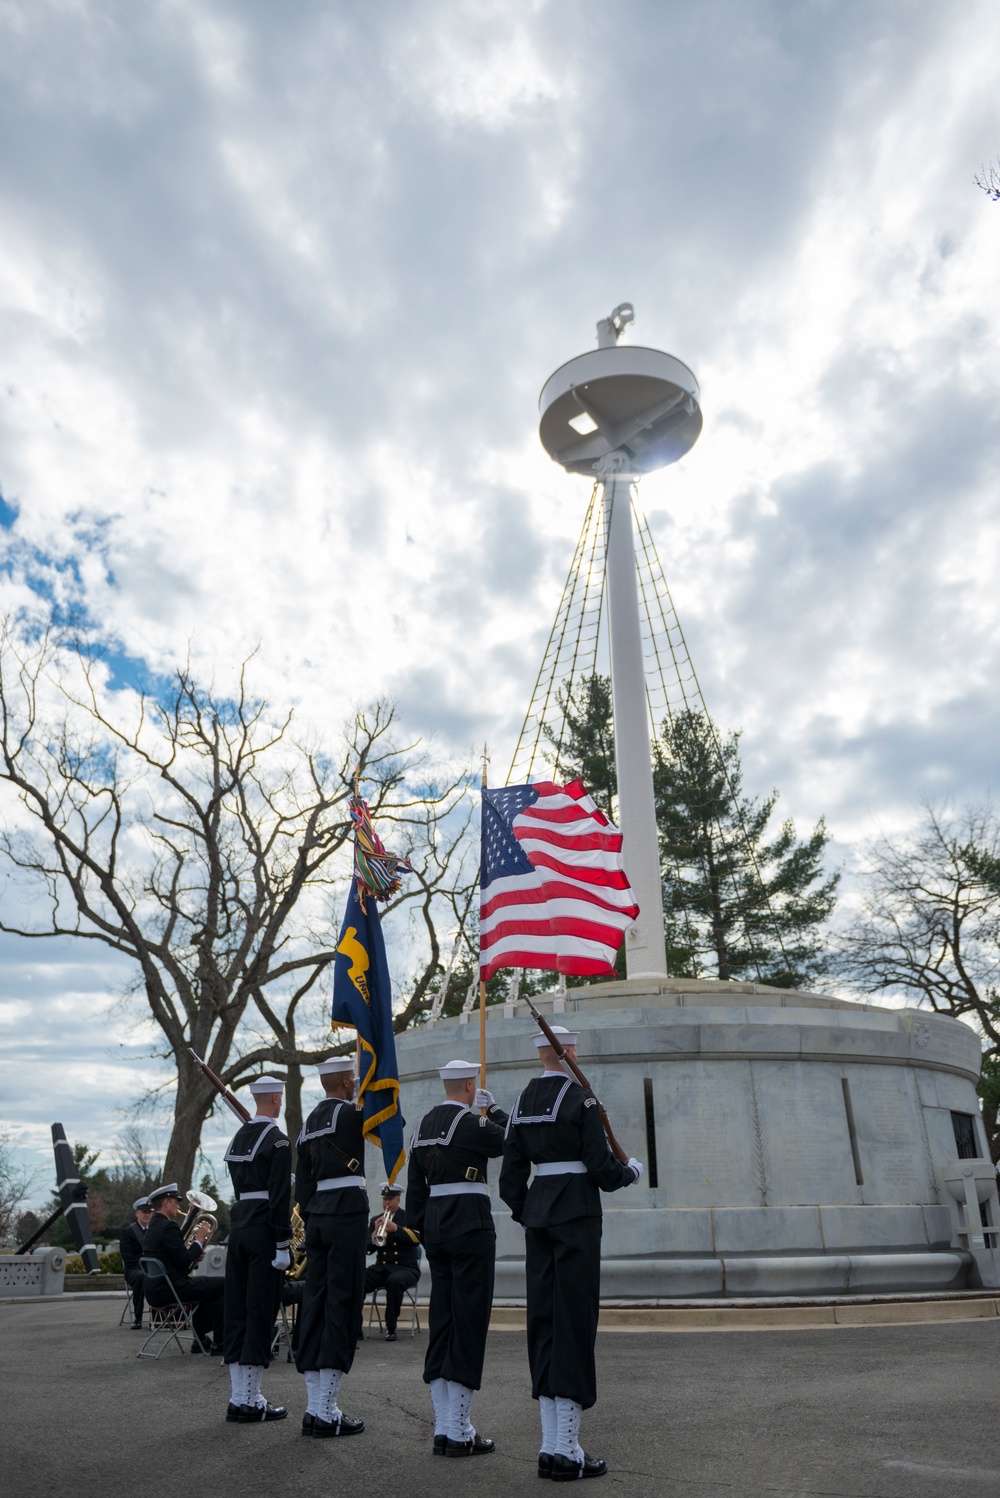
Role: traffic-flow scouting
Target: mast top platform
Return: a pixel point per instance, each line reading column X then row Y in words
column 619, row 398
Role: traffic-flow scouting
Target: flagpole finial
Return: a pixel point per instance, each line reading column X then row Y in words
column 485, row 759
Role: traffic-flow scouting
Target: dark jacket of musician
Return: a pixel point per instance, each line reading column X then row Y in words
column 260, row 1161
column 331, row 1148
column 557, row 1120
column 451, row 1146
column 401, row 1249
column 131, row 1246
column 163, row 1241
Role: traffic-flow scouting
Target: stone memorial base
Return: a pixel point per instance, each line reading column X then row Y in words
column 795, row 1144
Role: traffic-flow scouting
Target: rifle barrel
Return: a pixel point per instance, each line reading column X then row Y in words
column 560, row 1051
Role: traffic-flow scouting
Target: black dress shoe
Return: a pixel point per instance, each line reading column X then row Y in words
column 544, row 1464
column 254, row 1414
column 232, row 1413
column 440, row 1445
column 390, row 1336
column 563, row 1470
column 137, row 1326
column 323, row 1430
column 308, row 1421
column 478, row 1446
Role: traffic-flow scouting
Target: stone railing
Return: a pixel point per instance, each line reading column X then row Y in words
column 40, row 1273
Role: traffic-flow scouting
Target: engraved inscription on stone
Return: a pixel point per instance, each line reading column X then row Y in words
column 806, row 1140
column 890, row 1140
column 704, row 1114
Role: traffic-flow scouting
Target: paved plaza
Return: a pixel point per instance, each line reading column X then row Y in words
column 858, row 1412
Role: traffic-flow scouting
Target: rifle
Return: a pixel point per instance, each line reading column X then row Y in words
column 560, row 1051
column 231, row 1102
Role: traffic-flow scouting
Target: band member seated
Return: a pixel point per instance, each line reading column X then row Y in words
column 397, row 1258
column 259, row 1161
column 163, row 1241
column 130, row 1241
column 556, row 1126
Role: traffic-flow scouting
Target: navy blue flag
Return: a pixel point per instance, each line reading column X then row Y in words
column 362, row 997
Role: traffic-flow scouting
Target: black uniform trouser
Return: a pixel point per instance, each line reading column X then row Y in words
column 461, row 1300
column 395, row 1279
column 253, row 1294
column 135, row 1279
column 205, row 1293
column 330, row 1319
column 563, row 1265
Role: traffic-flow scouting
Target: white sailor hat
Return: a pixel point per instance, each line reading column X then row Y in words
column 335, row 1065
column 387, row 1190
column 457, row 1071
column 161, row 1191
column 142, row 1205
column 267, row 1084
column 564, row 1037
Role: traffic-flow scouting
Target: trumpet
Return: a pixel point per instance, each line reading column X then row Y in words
column 202, row 1207
column 380, row 1232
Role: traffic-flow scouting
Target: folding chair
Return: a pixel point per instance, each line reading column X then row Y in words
column 409, row 1298
column 127, row 1310
column 168, row 1321
column 282, row 1333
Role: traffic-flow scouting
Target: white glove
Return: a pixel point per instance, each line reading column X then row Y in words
column 637, row 1168
column 485, row 1099
column 282, row 1259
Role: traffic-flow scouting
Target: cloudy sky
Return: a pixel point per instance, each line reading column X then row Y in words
column 280, row 283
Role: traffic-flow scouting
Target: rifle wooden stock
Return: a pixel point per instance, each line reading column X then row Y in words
column 231, row 1102
column 560, row 1051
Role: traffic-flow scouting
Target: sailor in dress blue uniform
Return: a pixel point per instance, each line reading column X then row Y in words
column 448, row 1202
column 555, row 1125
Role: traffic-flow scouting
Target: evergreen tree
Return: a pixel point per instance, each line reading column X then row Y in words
column 585, row 750
column 737, row 901
column 753, row 906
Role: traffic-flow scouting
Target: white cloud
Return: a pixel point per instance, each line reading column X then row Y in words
column 278, row 291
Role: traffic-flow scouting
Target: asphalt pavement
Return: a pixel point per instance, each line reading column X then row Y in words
column 844, row 1412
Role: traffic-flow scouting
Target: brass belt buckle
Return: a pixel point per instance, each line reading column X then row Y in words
column 353, row 1164
column 472, row 1174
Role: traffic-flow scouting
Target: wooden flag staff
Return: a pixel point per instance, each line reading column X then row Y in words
column 482, row 985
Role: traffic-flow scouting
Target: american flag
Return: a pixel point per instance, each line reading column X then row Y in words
column 553, row 893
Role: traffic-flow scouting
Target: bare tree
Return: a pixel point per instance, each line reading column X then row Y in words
column 988, row 178
column 929, row 925
column 439, row 849
column 192, row 834
column 15, row 1184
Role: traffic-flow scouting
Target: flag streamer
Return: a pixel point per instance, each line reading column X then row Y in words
column 362, row 988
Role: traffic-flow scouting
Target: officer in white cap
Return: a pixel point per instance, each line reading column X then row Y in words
column 448, row 1201
column 260, row 1164
column 556, row 1126
column 130, row 1241
column 331, row 1193
column 164, row 1241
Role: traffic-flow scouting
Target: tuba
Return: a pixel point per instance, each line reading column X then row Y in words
column 202, row 1207
column 297, row 1268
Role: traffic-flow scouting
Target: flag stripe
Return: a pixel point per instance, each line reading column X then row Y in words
column 553, row 892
